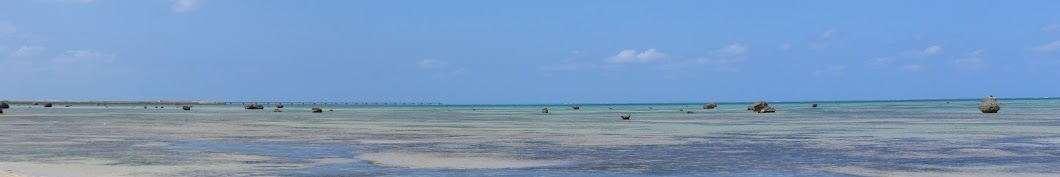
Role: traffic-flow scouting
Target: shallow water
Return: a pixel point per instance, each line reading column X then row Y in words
column 877, row 138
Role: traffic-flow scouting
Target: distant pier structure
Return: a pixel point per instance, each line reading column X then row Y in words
column 330, row 103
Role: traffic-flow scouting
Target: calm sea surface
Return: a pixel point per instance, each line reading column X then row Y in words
column 872, row 138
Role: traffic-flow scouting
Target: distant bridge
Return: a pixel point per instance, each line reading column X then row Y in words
column 330, row 103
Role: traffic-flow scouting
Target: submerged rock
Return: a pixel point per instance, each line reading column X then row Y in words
column 47, row 105
column 813, row 105
column 279, row 106
column 989, row 105
column 186, row 108
column 545, row 110
column 277, row 110
column 4, row 105
column 317, row 110
column 575, row 107
column 762, row 107
column 625, row 117
column 690, row 112
column 710, row 105
column 67, row 106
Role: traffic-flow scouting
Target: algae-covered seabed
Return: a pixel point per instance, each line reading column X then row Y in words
column 902, row 138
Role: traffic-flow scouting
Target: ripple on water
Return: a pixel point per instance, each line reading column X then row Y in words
column 417, row 160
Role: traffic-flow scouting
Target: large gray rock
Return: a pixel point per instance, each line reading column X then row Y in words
column 277, row 110
column 710, row 105
column 989, row 105
column 545, row 110
column 47, row 105
column 813, row 105
column 317, row 110
column 279, row 106
column 186, row 108
column 4, row 105
column 254, row 106
column 762, row 107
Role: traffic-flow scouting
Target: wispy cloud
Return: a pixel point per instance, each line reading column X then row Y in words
column 1052, row 28
column 973, row 60
column 1050, row 47
column 74, row 56
column 440, row 69
column 828, row 34
column 181, row 6
column 929, row 51
column 913, row 67
column 431, row 64
column 66, row 1
column 880, row 61
column 732, row 50
column 27, row 51
column 786, row 47
column 722, row 59
column 632, row 56
column 832, row 70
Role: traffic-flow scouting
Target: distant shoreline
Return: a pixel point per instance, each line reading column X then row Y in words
column 113, row 102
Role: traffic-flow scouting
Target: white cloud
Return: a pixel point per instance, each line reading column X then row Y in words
column 785, row 47
column 181, row 6
column 432, row 63
column 721, row 59
column 1054, row 46
column 832, row 70
column 631, row 56
column 973, row 60
column 66, row 1
column 74, row 56
column 732, row 50
column 913, row 67
column 881, row 61
column 27, row 51
column 828, row 34
column 929, row 51
column 1052, row 28
column 816, row 46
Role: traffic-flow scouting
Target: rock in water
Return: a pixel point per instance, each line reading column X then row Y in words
column 186, row 108
column 575, row 107
column 710, row 105
column 544, row 110
column 762, row 107
column 47, row 105
column 279, row 106
column 254, row 106
column 690, row 112
column 277, row 110
column 625, row 117
column 989, row 105
column 4, row 105
column 813, row 105
column 317, row 110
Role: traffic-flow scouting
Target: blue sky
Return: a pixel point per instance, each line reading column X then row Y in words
column 527, row 51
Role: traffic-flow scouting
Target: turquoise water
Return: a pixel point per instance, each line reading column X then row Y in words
column 867, row 138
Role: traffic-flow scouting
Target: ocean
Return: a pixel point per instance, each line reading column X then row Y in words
column 847, row 138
